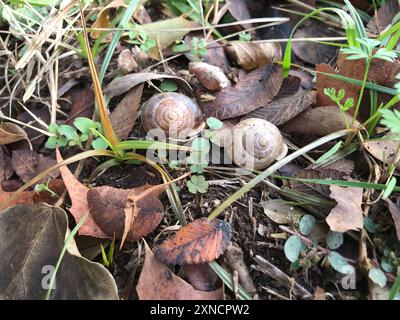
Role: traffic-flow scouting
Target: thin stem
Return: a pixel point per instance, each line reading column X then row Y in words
column 362, row 90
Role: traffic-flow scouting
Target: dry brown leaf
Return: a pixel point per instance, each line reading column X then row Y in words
column 395, row 212
column 347, row 215
column 127, row 62
column 125, row 114
column 157, row 282
column 28, row 164
column 343, row 165
column 384, row 16
column 82, row 104
column 201, row 276
column 240, row 11
column 200, row 241
column 252, row 55
column 284, row 109
column 210, row 77
column 57, row 186
column 279, row 212
column 318, row 122
column 6, row 170
column 253, row 91
column 25, row 197
column 383, row 150
column 102, row 20
column 313, row 52
column 10, row 132
column 78, row 194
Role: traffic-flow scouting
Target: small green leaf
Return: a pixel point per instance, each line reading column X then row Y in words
column 168, row 86
column 214, row 123
column 292, row 248
column 201, row 145
column 99, row 144
column 389, row 189
column 334, row 240
column 387, row 266
column 197, row 184
column 83, row 124
column 197, row 168
column 339, row 263
column 377, row 276
column 306, row 224
column 370, row 225
column 53, row 128
column 174, row 164
column 51, row 143
column 67, row 131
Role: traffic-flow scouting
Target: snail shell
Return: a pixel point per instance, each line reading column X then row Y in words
column 256, row 143
column 173, row 113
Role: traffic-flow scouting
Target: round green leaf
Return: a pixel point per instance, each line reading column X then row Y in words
column 214, row 123
column 339, row 263
column 334, row 239
column 292, row 248
column 168, row 86
column 387, row 266
column 83, row 124
column 307, row 223
column 377, row 276
column 201, row 145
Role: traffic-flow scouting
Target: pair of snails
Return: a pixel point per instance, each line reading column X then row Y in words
column 254, row 143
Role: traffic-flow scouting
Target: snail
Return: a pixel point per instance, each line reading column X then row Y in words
column 174, row 113
column 255, row 144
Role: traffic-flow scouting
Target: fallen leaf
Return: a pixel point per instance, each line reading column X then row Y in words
column 82, row 104
column 347, row 214
column 201, row 276
column 384, row 16
column 127, row 62
column 125, row 114
column 279, row 212
column 280, row 111
column 157, row 282
column 343, row 165
column 6, row 170
column 395, row 212
column 57, row 186
column 310, row 51
column 383, row 150
column 252, row 55
column 28, row 164
column 200, row 241
column 102, row 20
column 10, row 132
column 41, row 112
column 318, row 122
column 25, row 197
column 240, row 11
column 253, row 91
column 125, row 83
column 32, row 238
column 78, row 195
column 107, row 205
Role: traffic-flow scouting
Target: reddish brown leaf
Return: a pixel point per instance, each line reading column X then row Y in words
column 347, row 215
column 253, row 91
column 125, row 114
column 395, row 212
column 200, row 241
column 157, row 282
column 82, row 104
column 201, row 276
column 384, row 16
column 28, row 164
column 107, row 205
column 25, row 197
column 78, row 194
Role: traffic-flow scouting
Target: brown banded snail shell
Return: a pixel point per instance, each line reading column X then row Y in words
column 256, row 143
column 173, row 113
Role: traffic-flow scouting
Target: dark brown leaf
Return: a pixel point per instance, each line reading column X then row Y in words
column 28, row 164
column 343, row 165
column 253, row 91
column 384, row 16
column 6, row 170
column 201, row 276
column 282, row 110
column 82, row 104
column 157, row 282
column 395, row 212
column 240, row 11
column 125, row 114
column 200, row 241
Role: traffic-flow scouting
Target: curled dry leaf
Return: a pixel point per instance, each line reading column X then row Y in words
column 78, row 194
column 253, row 91
column 395, row 212
column 210, row 77
column 28, row 164
column 200, row 241
column 347, row 214
column 102, row 20
column 123, row 117
column 108, row 204
column 284, row 109
column 383, row 150
column 310, row 51
column 384, row 16
column 252, row 55
column 10, row 132
column 126, row 61
column 279, row 212
column 31, row 238
column 123, row 84
column 318, row 122
column 157, row 282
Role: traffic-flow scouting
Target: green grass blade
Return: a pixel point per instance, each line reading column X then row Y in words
column 64, row 249
column 395, row 288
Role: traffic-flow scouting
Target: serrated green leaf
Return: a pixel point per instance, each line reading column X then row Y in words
column 339, row 263
column 292, row 248
column 377, row 276
column 306, row 224
column 334, row 240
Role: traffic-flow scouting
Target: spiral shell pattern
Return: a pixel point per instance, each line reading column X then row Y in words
column 173, row 113
column 256, row 144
